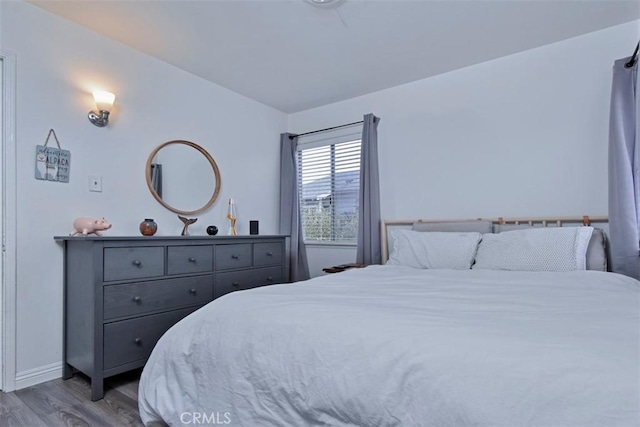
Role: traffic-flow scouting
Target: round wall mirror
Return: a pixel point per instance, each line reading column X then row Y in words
column 183, row 177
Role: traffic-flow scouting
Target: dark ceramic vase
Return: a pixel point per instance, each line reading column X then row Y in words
column 212, row 230
column 148, row 227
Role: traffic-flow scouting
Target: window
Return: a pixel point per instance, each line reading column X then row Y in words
column 328, row 190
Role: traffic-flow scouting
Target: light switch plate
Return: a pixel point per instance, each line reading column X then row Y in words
column 95, row 183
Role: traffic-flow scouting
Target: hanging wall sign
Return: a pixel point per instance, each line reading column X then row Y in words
column 52, row 164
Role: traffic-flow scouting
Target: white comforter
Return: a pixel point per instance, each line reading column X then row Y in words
column 395, row 346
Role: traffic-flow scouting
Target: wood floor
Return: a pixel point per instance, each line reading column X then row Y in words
column 68, row 403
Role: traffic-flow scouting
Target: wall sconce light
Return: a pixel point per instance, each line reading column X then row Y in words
column 104, row 102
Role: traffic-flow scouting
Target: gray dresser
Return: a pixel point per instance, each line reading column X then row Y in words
column 122, row 293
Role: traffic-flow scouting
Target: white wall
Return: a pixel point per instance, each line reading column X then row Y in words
column 523, row 135
column 322, row 256
column 59, row 64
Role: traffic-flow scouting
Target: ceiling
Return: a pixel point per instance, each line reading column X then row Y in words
column 293, row 56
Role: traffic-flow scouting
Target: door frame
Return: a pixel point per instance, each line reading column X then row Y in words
column 8, row 283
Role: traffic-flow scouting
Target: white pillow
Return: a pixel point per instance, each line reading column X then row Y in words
column 535, row 249
column 420, row 249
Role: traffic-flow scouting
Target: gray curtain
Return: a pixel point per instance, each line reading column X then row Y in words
column 290, row 220
column 624, row 182
column 156, row 178
column 369, row 208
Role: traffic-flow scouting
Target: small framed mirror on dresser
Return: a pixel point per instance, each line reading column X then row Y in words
column 183, row 177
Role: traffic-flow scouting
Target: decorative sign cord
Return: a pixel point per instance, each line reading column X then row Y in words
column 52, row 132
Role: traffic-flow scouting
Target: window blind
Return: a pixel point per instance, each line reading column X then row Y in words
column 328, row 190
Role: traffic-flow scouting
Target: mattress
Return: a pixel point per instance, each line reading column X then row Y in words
column 397, row 346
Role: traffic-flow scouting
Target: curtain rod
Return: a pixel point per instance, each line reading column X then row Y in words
column 632, row 61
column 326, row 129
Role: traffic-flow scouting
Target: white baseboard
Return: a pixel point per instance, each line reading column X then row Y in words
column 38, row 375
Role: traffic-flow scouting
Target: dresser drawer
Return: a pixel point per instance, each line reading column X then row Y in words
column 267, row 253
column 133, row 263
column 233, row 256
column 144, row 297
column 247, row 279
column 189, row 259
column 131, row 340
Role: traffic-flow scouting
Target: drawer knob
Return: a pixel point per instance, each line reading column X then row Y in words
column 192, row 259
column 235, row 257
column 269, row 253
column 269, row 279
column 235, row 284
column 137, row 299
column 192, row 291
column 138, row 341
column 137, row 263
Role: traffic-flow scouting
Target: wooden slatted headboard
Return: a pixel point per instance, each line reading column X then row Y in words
column 536, row 221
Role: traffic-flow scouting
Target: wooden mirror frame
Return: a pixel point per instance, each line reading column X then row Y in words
column 204, row 152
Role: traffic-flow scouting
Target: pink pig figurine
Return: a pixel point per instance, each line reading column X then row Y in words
column 86, row 226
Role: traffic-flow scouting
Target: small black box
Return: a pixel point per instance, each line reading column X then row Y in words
column 253, row 227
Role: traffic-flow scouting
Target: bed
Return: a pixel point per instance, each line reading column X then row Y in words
column 392, row 345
